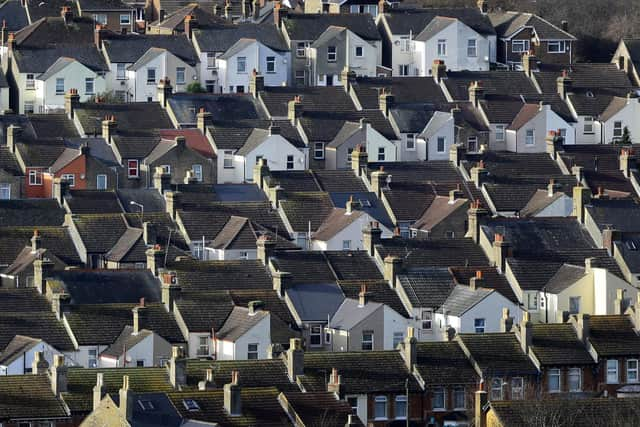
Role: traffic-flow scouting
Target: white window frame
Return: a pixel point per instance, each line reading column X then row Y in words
column 151, row 76
column 530, row 137
column 203, row 345
column 517, row 388
column 271, row 64
column 380, row 400
column 382, row 155
column 59, row 85
column 613, row 376
column 98, row 178
column 5, row 191
column 121, row 71
column 635, row 370
column 496, row 388
column 131, row 162
column 588, row 125
column 554, row 373
column 212, row 61
column 100, row 18
column 440, row 391
column 332, row 53
column 30, row 82
column 561, row 46
column 92, row 358
column 227, row 160
column 457, row 392
column 346, row 245
column 368, row 342
column 300, row 77
column 29, row 107
column 398, row 337
column 127, row 19
column 479, row 325
column 410, row 142
column 361, row 48
column 472, row 48
column 69, row 178
column 532, row 301
column 572, row 374
column 290, row 162
column 500, row 133
column 523, row 46
column 618, row 129
column 573, row 300
column 403, row 70
column 405, row 44
column 441, row 140
column 89, row 86
column 35, row 177
column 442, row 47
column 197, row 171
column 251, row 353
column 401, row 400
column 301, row 49
column 318, row 150
column 315, row 331
column 181, row 74
column 241, row 64
column 426, row 317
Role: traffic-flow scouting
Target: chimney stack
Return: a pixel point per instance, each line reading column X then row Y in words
column 42, row 268
column 553, row 187
column 67, row 14
column 277, row 13
column 335, row 382
column 500, row 252
column 619, row 303
column 11, row 42
column 295, row 110
column 265, row 248
column 475, row 217
column 204, row 120
column 483, row 6
column 581, row 198
column 109, row 126
column 14, row 133
column 36, row 241
column 99, row 390
column 392, row 266
column 260, row 171
column 161, row 179
column 164, row 90
column 281, row 281
column 274, row 129
column 256, row 83
column 139, row 313
column 256, row 6
column 126, row 399
column 170, row 290
column 564, row 25
column 71, row 102
column 295, row 359
column 155, row 258
column 476, row 281
column 582, row 325
column 177, row 366
column 349, row 206
column 39, row 366
column 455, row 194
column 60, row 189
column 190, row 23
column 58, row 375
column 386, row 100
column 456, row 154
column 609, row 237
column 481, row 400
column 149, row 233
column 232, row 397
column 529, row 63
column 476, row 93
column 60, row 304
column 363, row 296
column 438, row 70
column 207, row 383
column 359, row 159
column 479, row 174
column 564, row 83
column 371, row 236
column 526, row 333
column 379, row 180
column 172, row 203
column 506, row 322
column 98, row 34
column 627, row 161
column 410, row 349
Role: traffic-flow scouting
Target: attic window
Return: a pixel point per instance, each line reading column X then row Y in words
column 190, row 405
column 631, row 245
column 146, row 405
column 365, row 203
column 589, row 94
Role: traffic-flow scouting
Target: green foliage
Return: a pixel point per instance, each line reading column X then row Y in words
column 626, row 137
column 107, row 97
column 195, row 87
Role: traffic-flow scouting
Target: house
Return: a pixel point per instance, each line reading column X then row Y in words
column 21, row 352
column 342, row 229
column 180, row 162
column 244, row 335
column 520, row 32
column 527, row 133
column 626, row 58
column 11, row 179
column 357, row 137
column 414, row 38
column 344, row 6
column 133, row 347
column 118, row 16
column 444, row 218
column 51, row 409
column 200, row 16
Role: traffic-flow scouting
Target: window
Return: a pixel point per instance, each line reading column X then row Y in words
column 332, row 54
column 28, row 107
column 381, row 154
column 5, row 191
column 575, row 379
column 59, row 86
column 405, row 44
column 500, row 133
column 353, row 402
column 367, row 340
column 70, row 178
column 289, row 162
column 478, row 325
column 89, row 88
column 100, row 18
column 530, row 137
column 349, row 157
column 197, row 171
column 190, row 405
column 327, row 335
column 101, row 182
column 588, row 124
column 35, row 177
column 397, row 338
column 228, row 159
column 553, row 380
column 459, row 398
column 612, row 371
column 440, row 144
column 562, row 132
column 211, row 61
column 125, row 19
column 574, row 305
column 520, row 46
column 438, row 399
column 203, row 346
column 632, row 370
column 401, row 407
column 300, row 78
column 151, row 76
column 533, row 301
column 472, row 143
column 31, row 83
column 318, row 150
column 472, row 48
column 427, row 317
column 301, row 49
column 166, row 169
column 271, row 64
column 132, row 169
column 411, row 142
column 315, row 335
column 558, row 46
column 252, row 351
column 371, row 9
column 517, row 388
column 92, row 360
column 346, row 245
column 380, row 408
column 120, row 71
column 241, row 64
column 617, row 129
column 403, row 69
column 180, row 75
column 359, row 51
column 240, row 89
column 140, row 363
column 146, row 405
column 442, row 47
column 496, row 389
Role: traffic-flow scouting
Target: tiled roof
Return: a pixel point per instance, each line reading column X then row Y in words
column 271, row 303
column 497, row 354
column 29, row 397
column 16, row 348
column 41, row 152
column 203, row 311
column 512, row 83
column 99, row 232
column 558, row 344
column 333, row 224
column 415, row 20
column 427, row 287
column 47, row 125
column 585, row 76
column 325, row 126
column 316, row 98
column 306, row 211
column 305, row 266
column 433, row 253
column 444, row 363
column 14, row 14
column 260, row 373
column 405, row 90
column 55, row 239
column 613, row 336
column 508, row 23
column 463, row 298
column 238, row 323
column 491, row 280
column 333, row 181
column 322, row 408
column 93, row 202
column 377, row 290
column 222, row 275
column 222, row 38
column 310, row 26
column 128, row 49
column 620, row 214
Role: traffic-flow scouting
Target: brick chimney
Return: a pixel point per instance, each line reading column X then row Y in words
column 155, row 259
column 139, row 316
column 208, row 383
column 481, row 400
column 438, row 70
column 295, row 110
column 619, row 302
column 501, row 251
column 410, row 349
column 39, row 366
column 335, row 382
column 190, row 177
column 359, row 159
column 149, row 233
column 582, row 325
column 347, row 77
column 256, row 83
column 60, row 304
column 277, row 13
column 526, row 332
column 371, row 236
column 581, row 198
column 170, row 290
column 161, row 179
column 381, row 6
column 204, row 119
column 506, row 321
column 476, row 93
column 71, row 102
column 379, row 181
column 190, row 23
column 386, row 100
column 636, row 313
column 275, row 194
column 456, row 154
column 60, row 189
column 363, row 296
column 274, row 129
column 475, row 217
column 58, row 375
column 164, row 91
column 476, row 281
column 627, row 161
column 483, row 6
column 67, row 15
column 42, row 268
column 392, row 266
column 609, row 237
column 14, row 132
column 99, row 390
column 529, row 63
column 98, row 36
column 227, row 10
column 553, row 141
column 455, row 194
column 232, row 395
column 295, row 359
column 172, row 202
column 177, row 367
column 266, row 248
column 36, row 241
column 109, row 126
column 260, row 171
column 350, row 206
column 281, row 281
column 553, row 187
column 564, row 84
column 126, row 399
column 479, row 174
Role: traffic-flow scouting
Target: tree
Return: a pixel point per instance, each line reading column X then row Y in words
column 626, row 137
column 195, row 87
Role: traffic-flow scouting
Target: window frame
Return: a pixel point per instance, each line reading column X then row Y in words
column 29, row 107
column 203, row 349
column 59, row 88
column 502, row 132
column 271, row 64
column 212, row 61
column 404, row 70
column 241, row 60
column 361, row 48
column 439, row 140
column 610, row 370
column 572, row 303
column 618, row 129
column 438, row 391
column 121, row 71
column 479, row 325
column 561, row 46
column 69, row 178
column 368, row 342
column 253, row 354
column 5, row 189
column 35, row 177
column 291, row 162
column 405, row 44
column 30, row 82
column 313, row 333
column 456, row 393
column 520, row 394
column 227, row 157
column 301, row 49
column 89, row 82
column 556, row 375
column 410, row 137
column 587, row 127
column 181, row 72
column 398, row 338
column 384, row 402
column 197, row 171
column 346, row 245
column 526, row 46
column 494, row 390
column 318, row 147
column 636, row 370
column 92, row 355
column 571, row 375
column 423, row 320
column 332, row 54
column 473, row 48
column 400, row 401
column 530, row 140
column 442, row 47
column 133, row 164
column 127, row 16
column 98, row 177
column 382, row 154
column 150, row 71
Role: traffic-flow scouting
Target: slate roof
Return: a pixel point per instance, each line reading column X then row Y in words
column 405, row 90
column 238, row 323
column 222, row 39
column 93, row 202
column 310, row 26
column 315, row 98
column 221, row 275
column 594, row 77
column 30, row 213
column 130, row 48
column 320, row 408
column 99, row 233
column 497, row 354
column 350, row 313
column 337, row 221
column 368, row 202
column 8, row 162
column 325, row 126
column 557, row 344
column 444, row 363
column 36, row 57
column 203, row 311
column 439, row 209
column 566, row 276
column 16, row 348
column 302, row 209
column 14, row 15
column 613, row 336
column 491, row 280
column 463, row 298
column 223, row 107
column 29, row 397
column 126, row 340
column 204, row 14
column 415, row 20
column 509, row 23
column 427, row 287
column 57, row 240
column 315, row 302
column 433, row 253
column 41, row 152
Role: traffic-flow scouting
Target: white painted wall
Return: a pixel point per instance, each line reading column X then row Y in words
column 561, row 207
column 427, row 144
column 352, row 233
column 25, row 361
column 393, row 323
column 629, row 116
column 543, row 122
column 256, row 58
column 275, row 150
column 489, row 309
column 166, row 65
column 74, row 76
column 259, row 334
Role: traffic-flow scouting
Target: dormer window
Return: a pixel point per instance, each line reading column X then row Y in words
column 146, row 405
column 590, row 94
column 191, row 405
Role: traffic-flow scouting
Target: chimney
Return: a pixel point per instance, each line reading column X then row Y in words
column 71, row 102
column 139, row 314
column 14, row 133
column 438, row 70
column 39, row 366
column 371, row 236
column 475, row 217
column 359, row 159
column 636, row 315
column 529, row 63
column 482, row 5
column 190, row 23
column 500, row 252
column 170, row 290
column 553, row 141
column 85, row 150
column 410, row 349
column 266, row 248
column 609, row 237
column 98, row 36
column 275, row 194
column 381, row 6
column 295, row 359
column 260, row 171
column 227, row 10
column 455, row 194
column 164, row 91
column 190, row 177
column 99, row 390
column 281, row 281
column 476, row 93
column 177, row 366
column 506, row 321
column 564, row 25
column 386, row 100
column 601, row 194
column 578, row 172
column 476, row 281
column 564, row 83
column 526, row 333
column 627, row 162
column 363, row 296
column 232, row 397
column 581, row 198
column 392, row 266
column 109, row 126
column 347, row 77
column 126, row 399
column 295, row 109
column 155, row 259
column 277, row 13
column 42, row 268
column 255, row 306
column 256, row 83
column 553, row 187
column 149, row 233
column 335, row 382
column 11, row 42
column 481, row 400
column 60, row 189
column 349, row 206
column 582, row 325
column 36, row 242
column 67, row 14
column 274, row 129
column 58, row 375
column 60, row 304
column 172, row 202
column 207, row 383
column 479, row 174
column 456, row 154
column 618, row 304
column 379, row 181
column 161, row 179
column 256, row 10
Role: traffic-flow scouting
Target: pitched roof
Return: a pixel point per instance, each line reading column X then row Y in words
column 433, row 253
column 239, row 322
column 14, row 14
column 337, row 221
column 491, row 280
column 508, row 24
column 310, row 26
column 613, row 336
column 234, row 135
column 99, row 233
column 558, row 344
column 378, row 291
column 314, row 98
column 40, row 153
column 427, row 287
column 527, row 113
column 222, row 275
column 93, row 202
column 16, row 348
column 315, row 302
column 463, row 298
column 29, row 397
column 126, row 340
column 443, row 363
column 405, row 91
column 307, row 210
column 497, row 354
column 130, row 48
column 566, row 276
column 223, row 39
column 439, row 209
column 350, row 313
column 223, row 107
column 56, row 241
column 404, row 21
column 319, row 408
